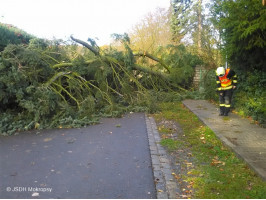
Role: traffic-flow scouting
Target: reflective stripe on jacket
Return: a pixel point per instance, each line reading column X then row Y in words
column 227, row 81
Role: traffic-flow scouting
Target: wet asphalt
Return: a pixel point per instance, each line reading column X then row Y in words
column 105, row 161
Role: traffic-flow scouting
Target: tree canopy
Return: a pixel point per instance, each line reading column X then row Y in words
column 242, row 26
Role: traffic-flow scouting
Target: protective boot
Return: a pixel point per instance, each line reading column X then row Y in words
column 221, row 110
column 226, row 111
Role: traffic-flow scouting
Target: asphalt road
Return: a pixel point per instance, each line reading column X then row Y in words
column 108, row 160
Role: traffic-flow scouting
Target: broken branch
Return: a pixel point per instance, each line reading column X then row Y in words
column 145, row 54
column 85, row 44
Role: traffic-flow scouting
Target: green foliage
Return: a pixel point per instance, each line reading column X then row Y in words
column 209, row 85
column 180, row 19
column 250, row 98
column 242, row 26
column 181, row 64
column 10, row 34
column 48, row 84
column 35, row 95
column 128, row 57
column 20, row 69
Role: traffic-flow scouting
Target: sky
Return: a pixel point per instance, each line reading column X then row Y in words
column 82, row 18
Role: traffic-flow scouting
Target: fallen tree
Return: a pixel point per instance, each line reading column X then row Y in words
column 42, row 86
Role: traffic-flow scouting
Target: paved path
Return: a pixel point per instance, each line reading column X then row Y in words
column 246, row 139
column 108, row 160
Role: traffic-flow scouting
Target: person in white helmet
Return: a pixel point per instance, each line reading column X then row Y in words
column 226, row 80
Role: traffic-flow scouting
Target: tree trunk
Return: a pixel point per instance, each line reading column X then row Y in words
column 153, row 58
column 199, row 25
column 85, row 44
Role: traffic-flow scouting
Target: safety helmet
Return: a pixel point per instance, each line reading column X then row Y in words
column 220, row 71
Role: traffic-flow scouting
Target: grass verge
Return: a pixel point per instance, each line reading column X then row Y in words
column 217, row 172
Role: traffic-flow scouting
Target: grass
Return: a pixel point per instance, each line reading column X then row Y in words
column 171, row 144
column 218, row 173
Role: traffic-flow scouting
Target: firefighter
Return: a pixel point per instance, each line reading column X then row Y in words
column 226, row 80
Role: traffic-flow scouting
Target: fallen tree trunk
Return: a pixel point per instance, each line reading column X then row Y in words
column 162, row 75
column 59, row 65
column 85, row 44
column 146, row 54
column 152, row 72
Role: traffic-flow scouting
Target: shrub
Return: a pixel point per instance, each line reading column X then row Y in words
column 250, row 95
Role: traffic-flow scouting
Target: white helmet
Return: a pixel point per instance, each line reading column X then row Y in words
column 220, row 71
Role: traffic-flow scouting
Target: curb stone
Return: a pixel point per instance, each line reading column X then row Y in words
column 165, row 185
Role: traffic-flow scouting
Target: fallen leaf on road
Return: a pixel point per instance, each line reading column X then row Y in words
column 35, row 194
column 71, row 140
column 47, row 139
column 176, row 176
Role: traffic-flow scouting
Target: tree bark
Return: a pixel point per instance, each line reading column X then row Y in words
column 149, row 71
column 85, row 44
column 153, row 58
column 199, row 25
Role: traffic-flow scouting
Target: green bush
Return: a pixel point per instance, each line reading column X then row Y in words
column 181, row 64
column 209, row 86
column 10, row 34
column 250, row 97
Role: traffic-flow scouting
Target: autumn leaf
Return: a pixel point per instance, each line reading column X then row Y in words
column 37, row 125
column 176, row 176
column 47, row 139
column 215, row 161
column 35, row 194
column 164, row 136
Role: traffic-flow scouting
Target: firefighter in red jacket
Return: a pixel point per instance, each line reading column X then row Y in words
column 226, row 80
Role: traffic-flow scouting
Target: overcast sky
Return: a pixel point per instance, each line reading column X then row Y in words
column 82, row 18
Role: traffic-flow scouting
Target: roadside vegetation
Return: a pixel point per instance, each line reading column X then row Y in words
column 209, row 170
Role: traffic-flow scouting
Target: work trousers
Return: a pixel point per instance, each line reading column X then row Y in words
column 225, row 98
